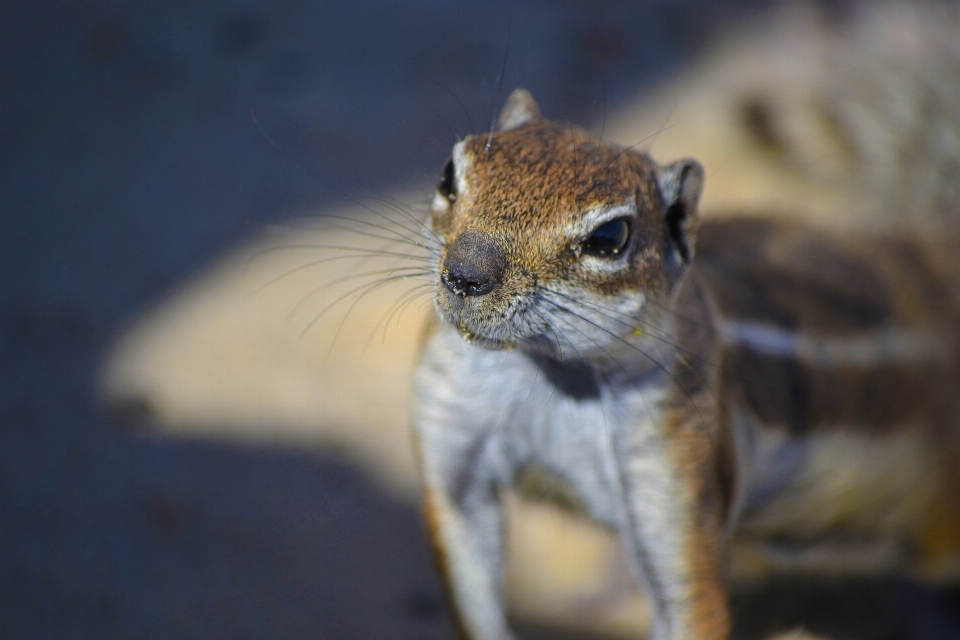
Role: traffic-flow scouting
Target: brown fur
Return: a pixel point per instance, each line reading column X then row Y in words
column 695, row 456
column 841, row 292
column 817, row 285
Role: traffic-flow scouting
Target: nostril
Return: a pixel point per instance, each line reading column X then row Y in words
column 463, row 286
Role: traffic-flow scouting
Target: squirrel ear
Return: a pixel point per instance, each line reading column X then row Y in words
column 681, row 184
column 519, row 109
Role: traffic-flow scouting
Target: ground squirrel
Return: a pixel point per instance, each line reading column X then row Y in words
column 739, row 391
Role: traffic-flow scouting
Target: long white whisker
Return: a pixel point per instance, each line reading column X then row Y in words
column 370, row 287
column 403, row 233
column 420, row 223
column 653, row 360
column 314, row 263
column 603, row 311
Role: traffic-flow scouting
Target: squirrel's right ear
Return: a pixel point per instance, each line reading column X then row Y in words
column 519, row 109
column 681, row 184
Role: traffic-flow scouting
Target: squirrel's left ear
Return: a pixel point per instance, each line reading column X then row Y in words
column 519, row 109
column 681, row 183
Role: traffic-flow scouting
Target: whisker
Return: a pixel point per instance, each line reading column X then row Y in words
column 550, row 326
column 359, row 254
column 330, row 247
column 387, row 241
column 416, row 233
column 308, row 265
column 578, row 330
column 316, row 176
column 421, row 252
column 602, row 311
column 376, row 236
column 533, row 385
column 653, row 360
column 422, row 290
column 585, row 335
column 607, row 310
column 399, row 306
column 609, row 355
column 369, row 286
column 359, row 220
column 459, row 102
column 603, row 126
column 503, row 73
column 663, row 127
column 576, row 173
column 694, row 321
column 637, row 144
column 347, row 314
column 420, row 223
column 399, row 302
column 409, row 272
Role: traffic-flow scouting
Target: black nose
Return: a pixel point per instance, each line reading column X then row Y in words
column 473, row 266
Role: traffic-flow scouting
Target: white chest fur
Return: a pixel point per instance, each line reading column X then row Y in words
column 484, row 417
column 510, row 412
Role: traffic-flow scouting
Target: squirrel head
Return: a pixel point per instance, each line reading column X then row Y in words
column 554, row 238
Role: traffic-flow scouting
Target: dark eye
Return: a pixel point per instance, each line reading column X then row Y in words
column 608, row 239
column 447, row 186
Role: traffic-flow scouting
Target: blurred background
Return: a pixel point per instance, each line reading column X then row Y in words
column 140, row 145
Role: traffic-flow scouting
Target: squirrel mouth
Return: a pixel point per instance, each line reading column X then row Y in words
column 486, row 322
column 483, row 332
column 506, row 338
column 471, row 336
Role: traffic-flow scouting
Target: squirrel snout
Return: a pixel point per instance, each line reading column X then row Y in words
column 473, row 266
